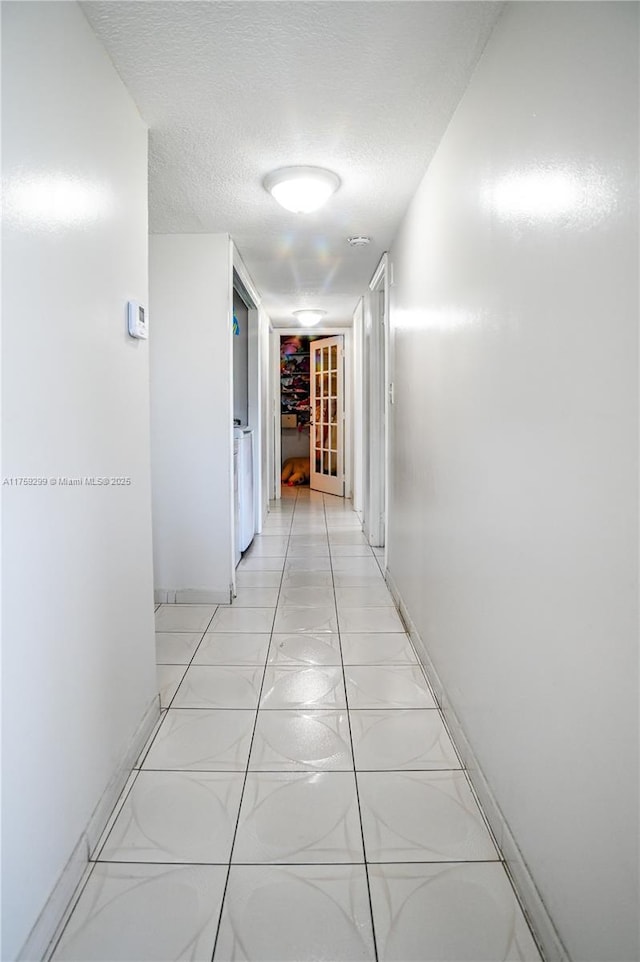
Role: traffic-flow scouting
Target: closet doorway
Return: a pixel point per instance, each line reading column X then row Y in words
column 327, row 415
column 311, row 393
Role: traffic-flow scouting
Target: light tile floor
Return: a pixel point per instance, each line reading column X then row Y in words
column 301, row 798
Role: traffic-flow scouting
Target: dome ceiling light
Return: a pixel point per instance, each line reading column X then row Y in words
column 302, row 189
column 309, row 318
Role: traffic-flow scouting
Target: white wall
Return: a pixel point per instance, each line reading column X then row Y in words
column 513, row 534
column 192, row 414
column 78, row 643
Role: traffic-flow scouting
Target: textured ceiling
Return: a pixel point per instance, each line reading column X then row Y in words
column 232, row 89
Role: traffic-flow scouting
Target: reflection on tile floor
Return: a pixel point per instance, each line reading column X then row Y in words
column 301, row 798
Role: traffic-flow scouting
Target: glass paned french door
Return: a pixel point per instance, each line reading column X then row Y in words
column 327, row 416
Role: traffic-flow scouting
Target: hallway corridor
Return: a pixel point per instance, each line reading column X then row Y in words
column 340, row 798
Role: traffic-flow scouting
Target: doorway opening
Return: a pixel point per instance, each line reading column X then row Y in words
column 312, row 412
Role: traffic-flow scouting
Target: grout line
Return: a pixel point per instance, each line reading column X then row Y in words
column 299, row 771
column 185, row 864
column 355, row 775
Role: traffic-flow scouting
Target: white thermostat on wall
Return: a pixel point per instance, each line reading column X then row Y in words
column 137, row 317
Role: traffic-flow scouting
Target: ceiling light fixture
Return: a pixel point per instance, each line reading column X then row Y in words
column 359, row 240
column 309, row 318
column 302, row 189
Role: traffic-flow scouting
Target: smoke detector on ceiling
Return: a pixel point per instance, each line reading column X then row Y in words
column 359, row 240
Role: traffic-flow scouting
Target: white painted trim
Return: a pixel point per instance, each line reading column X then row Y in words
column 55, row 913
column 254, row 414
column 530, row 899
column 242, row 272
column 347, row 389
column 254, row 411
column 356, row 393
column 376, row 414
column 274, row 402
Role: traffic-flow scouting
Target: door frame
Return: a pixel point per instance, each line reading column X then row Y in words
column 276, row 334
column 318, row 480
column 257, row 367
column 376, row 408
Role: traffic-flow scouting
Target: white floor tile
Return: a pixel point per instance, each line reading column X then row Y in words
column 294, row 578
column 303, row 648
column 361, row 566
column 243, row 619
column 299, row 817
column 421, row 817
column 348, row 579
column 297, row 913
column 279, row 527
column 350, row 551
column 401, row 740
column 310, row 618
column 308, row 540
column 300, row 807
column 196, row 740
column 369, row 619
column 176, row 817
column 290, row 741
column 176, row 647
column 303, row 688
column 293, row 597
column 257, row 579
column 347, row 537
column 364, row 596
column 145, row 913
column 169, row 678
column 448, row 913
column 256, row 598
column 376, row 648
column 387, row 687
column 233, row 648
column 308, row 564
column 266, row 546
column 308, row 551
column 216, row 686
column 249, row 563
column 184, row 617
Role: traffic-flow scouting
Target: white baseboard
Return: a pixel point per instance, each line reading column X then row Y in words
column 531, row 901
column 54, row 915
column 191, row 596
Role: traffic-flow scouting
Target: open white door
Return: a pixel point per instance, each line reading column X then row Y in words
column 327, row 415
